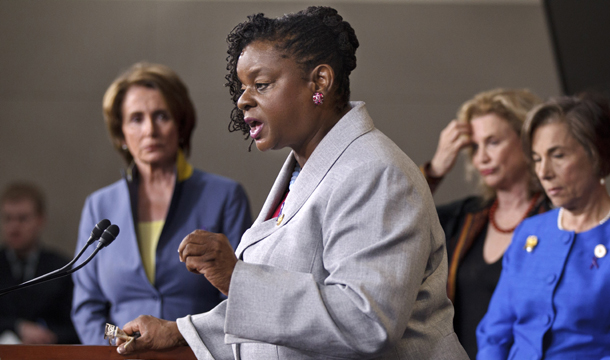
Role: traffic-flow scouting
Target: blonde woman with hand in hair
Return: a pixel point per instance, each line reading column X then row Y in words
column 478, row 229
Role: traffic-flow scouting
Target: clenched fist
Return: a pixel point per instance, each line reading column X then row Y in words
column 209, row 254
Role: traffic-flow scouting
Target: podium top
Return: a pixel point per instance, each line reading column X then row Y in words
column 86, row 352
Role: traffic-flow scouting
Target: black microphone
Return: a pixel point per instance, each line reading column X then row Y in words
column 106, row 237
column 97, row 231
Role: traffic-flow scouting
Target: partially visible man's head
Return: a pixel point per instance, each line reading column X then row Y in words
column 22, row 216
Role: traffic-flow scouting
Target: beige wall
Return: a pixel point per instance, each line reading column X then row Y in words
column 418, row 61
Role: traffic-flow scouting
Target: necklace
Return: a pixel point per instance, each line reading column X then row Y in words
column 605, row 218
column 560, row 217
column 492, row 215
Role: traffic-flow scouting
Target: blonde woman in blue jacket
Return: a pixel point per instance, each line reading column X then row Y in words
column 552, row 298
column 161, row 199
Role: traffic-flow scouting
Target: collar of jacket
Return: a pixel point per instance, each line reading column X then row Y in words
column 184, row 171
column 350, row 127
column 473, row 224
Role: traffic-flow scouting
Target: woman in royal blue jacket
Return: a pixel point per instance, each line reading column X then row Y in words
column 160, row 201
column 552, row 298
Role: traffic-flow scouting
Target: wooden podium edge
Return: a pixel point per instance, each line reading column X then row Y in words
column 87, row 352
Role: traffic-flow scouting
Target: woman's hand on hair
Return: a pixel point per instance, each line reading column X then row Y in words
column 209, row 254
column 452, row 139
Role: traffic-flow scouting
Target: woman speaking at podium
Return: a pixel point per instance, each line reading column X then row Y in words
column 347, row 258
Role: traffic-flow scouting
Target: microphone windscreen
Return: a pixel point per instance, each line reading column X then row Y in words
column 98, row 230
column 109, row 235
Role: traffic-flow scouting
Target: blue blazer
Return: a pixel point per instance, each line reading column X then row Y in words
column 551, row 302
column 114, row 288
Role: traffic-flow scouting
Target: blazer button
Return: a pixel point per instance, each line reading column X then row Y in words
column 600, row 251
column 550, row 279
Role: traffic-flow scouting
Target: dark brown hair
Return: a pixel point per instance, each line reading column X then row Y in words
column 587, row 117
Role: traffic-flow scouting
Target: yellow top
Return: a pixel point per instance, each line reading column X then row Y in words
column 148, row 238
column 150, row 231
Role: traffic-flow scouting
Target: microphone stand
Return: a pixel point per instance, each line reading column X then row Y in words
column 96, row 233
column 107, row 237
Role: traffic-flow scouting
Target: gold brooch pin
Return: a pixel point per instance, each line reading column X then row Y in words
column 530, row 243
column 600, row 251
column 279, row 219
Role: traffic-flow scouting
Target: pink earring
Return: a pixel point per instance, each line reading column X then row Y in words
column 318, row 98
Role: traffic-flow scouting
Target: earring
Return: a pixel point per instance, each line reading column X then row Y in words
column 318, row 98
column 602, row 181
column 124, row 147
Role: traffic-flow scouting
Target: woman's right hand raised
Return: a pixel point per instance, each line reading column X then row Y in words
column 452, row 139
column 210, row 254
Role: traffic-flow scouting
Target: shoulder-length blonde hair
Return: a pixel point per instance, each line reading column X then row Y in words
column 512, row 105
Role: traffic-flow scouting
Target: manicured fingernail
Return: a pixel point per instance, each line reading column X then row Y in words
column 120, row 349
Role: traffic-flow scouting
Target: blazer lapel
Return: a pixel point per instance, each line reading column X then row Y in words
column 277, row 190
column 354, row 124
column 262, row 227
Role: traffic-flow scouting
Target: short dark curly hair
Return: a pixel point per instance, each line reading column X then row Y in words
column 314, row 36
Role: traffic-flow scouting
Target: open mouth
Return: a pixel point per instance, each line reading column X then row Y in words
column 255, row 127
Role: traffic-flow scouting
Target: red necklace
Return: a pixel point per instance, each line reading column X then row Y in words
column 492, row 215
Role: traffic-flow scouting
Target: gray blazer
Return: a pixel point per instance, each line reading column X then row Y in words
column 357, row 268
